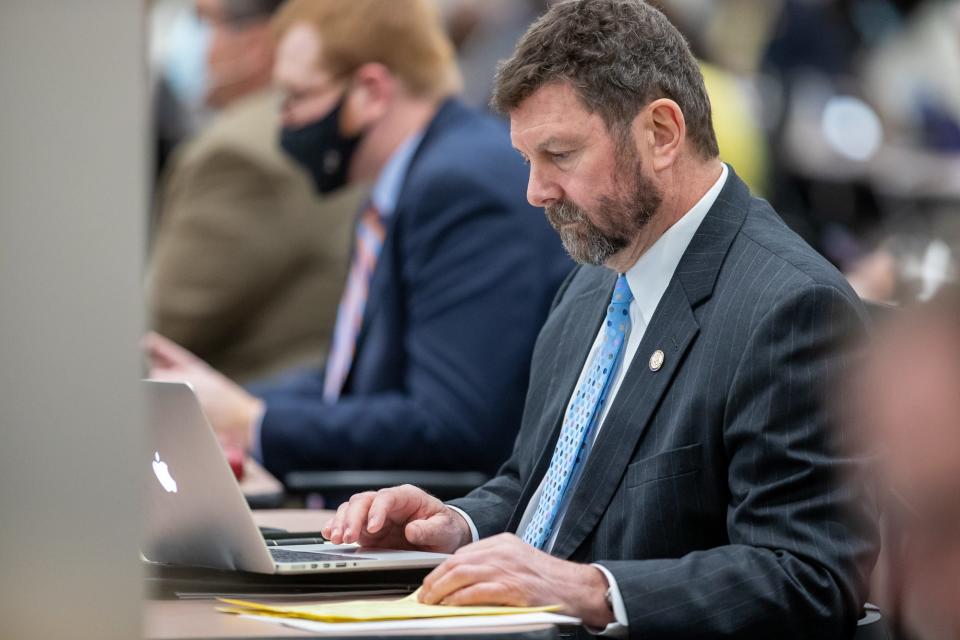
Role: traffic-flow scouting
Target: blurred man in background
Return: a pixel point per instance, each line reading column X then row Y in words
column 247, row 263
column 452, row 273
column 906, row 403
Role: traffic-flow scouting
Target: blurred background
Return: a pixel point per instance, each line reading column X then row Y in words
column 844, row 114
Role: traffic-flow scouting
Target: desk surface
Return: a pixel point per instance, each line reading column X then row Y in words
column 167, row 619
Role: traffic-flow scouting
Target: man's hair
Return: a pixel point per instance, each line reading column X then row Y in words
column 406, row 36
column 249, row 10
column 619, row 55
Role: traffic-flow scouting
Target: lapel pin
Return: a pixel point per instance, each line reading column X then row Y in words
column 656, row 360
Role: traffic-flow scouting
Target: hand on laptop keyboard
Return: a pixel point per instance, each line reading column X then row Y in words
column 402, row 517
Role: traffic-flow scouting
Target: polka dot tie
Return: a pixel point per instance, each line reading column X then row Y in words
column 588, row 399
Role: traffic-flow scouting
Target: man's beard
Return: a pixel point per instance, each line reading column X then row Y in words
column 624, row 216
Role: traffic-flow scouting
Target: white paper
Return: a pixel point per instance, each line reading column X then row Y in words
column 465, row 622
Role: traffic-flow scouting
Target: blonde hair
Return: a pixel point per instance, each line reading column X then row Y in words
column 406, row 36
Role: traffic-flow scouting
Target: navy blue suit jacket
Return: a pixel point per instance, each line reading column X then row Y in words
column 462, row 286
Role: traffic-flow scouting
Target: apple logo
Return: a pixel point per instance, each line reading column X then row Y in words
column 163, row 474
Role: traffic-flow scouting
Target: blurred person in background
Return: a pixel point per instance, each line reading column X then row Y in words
column 905, row 403
column 918, row 253
column 178, row 45
column 913, row 78
column 452, row 274
column 822, row 133
column 724, row 62
column 485, row 32
column 247, row 263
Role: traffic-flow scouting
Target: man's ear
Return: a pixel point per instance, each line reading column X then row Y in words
column 660, row 130
column 369, row 94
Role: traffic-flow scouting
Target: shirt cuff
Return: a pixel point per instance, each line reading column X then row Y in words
column 617, row 628
column 474, row 534
column 256, row 446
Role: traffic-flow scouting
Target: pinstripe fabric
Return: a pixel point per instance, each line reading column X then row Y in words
column 713, row 491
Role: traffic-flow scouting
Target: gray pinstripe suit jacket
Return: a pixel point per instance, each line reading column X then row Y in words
column 713, row 492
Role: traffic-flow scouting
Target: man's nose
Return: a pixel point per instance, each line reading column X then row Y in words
column 541, row 190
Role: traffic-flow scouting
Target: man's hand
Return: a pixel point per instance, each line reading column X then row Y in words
column 402, row 517
column 230, row 409
column 504, row 570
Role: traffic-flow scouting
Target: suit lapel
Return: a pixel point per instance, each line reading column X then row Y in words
column 580, row 328
column 672, row 330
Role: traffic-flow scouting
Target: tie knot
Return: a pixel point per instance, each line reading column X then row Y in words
column 621, row 292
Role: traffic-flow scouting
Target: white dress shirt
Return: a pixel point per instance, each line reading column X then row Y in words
column 648, row 279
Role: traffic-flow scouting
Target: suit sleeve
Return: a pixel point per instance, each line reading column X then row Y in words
column 801, row 536
column 220, row 249
column 473, row 301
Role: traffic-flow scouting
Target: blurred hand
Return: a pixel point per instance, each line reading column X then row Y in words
column 504, row 570
column 402, row 517
column 229, row 408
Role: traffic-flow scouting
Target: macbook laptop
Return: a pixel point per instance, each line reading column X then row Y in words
column 197, row 516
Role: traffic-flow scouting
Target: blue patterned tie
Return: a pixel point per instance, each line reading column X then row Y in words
column 588, row 399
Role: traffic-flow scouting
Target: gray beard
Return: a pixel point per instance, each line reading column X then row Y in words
column 585, row 242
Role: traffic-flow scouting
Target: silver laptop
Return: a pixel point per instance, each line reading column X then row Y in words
column 197, row 516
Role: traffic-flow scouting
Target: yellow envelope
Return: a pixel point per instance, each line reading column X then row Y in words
column 407, row 608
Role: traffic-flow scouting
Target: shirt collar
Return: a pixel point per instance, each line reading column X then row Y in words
column 386, row 190
column 649, row 276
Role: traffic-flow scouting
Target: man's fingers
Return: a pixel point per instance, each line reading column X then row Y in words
column 164, row 352
column 440, row 571
column 458, row 576
column 397, row 505
column 334, row 531
column 355, row 517
column 384, row 506
column 327, row 528
column 436, row 533
column 488, row 593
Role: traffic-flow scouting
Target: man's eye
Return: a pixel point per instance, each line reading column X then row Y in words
column 559, row 157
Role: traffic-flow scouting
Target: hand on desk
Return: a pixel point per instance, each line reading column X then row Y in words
column 230, row 409
column 502, row 570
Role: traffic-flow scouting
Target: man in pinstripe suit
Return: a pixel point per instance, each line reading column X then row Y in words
column 676, row 473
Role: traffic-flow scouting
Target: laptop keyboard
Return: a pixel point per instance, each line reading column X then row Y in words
column 286, row 555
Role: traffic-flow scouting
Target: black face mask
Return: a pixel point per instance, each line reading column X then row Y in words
column 322, row 149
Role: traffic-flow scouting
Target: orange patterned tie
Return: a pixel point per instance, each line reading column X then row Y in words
column 369, row 241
